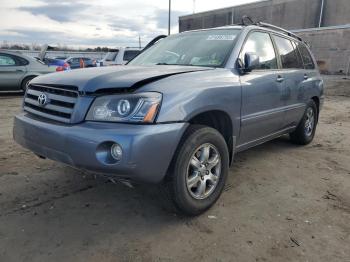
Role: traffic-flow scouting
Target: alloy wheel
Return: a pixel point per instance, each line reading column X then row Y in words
column 310, row 122
column 203, row 171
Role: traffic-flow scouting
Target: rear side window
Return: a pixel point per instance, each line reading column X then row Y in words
column 6, row 60
column 308, row 62
column 289, row 55
column 128, row 55
column 260, row 43
column 21, row 61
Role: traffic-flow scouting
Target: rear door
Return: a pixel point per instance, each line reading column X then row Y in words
column 11, row 72
column 312, row 81
column 293, row 71
column 262, row 88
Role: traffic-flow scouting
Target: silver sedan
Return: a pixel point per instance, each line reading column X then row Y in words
column 16, row 70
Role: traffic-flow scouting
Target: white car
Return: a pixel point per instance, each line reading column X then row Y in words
column 119, row 56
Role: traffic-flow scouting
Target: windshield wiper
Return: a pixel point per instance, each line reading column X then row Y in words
column 162, row 63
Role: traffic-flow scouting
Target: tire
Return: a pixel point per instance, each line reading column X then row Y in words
column 25, row 82
column 191, row 189
column 306, row 129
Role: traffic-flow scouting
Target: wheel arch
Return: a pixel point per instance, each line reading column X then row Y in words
column 219, row 120
column 31, row 76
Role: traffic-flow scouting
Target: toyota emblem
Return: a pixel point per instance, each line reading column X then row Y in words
column 42, row 99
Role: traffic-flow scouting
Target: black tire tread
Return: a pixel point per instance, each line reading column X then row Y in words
column 169, row 188
column 298, row 135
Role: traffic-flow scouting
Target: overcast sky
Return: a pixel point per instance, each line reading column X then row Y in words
column 94, row 22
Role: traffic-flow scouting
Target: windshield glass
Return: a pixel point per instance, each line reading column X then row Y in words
column 202, row 48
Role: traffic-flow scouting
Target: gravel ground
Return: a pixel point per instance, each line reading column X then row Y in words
column 282, row 203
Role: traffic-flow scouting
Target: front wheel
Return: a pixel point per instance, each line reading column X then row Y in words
column 306, row 129
column 199, row 171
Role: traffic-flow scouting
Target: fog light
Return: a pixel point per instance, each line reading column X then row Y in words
column 116, row 152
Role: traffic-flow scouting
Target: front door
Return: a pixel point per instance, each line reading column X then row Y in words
column 262, row 89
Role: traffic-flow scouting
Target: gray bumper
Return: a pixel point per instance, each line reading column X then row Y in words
column 147, row 149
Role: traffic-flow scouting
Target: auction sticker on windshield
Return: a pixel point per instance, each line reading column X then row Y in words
column 221, row 37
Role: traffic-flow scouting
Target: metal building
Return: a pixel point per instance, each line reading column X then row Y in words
column 325, row 24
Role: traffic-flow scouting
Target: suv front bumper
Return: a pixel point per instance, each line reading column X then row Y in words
column 147, row 149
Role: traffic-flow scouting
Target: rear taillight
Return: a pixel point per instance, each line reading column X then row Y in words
column 63, row 68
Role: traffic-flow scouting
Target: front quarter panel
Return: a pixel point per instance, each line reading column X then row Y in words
column 187, row 95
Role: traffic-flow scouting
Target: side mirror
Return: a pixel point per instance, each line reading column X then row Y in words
column 251, row 61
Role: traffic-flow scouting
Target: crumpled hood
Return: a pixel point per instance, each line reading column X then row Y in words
column 113, row 77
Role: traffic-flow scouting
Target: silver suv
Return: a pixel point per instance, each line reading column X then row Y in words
column 179, row 112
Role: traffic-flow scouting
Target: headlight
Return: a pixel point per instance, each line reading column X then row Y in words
column 142, row 107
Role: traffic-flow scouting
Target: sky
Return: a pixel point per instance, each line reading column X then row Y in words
column 91, row 23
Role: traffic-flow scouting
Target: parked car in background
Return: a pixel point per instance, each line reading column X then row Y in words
column 80, row 62
column 179, row 112
column 119, row 56
column 60, row 64
column 16, row 70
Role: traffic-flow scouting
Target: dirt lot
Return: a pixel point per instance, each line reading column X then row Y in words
column 282, row 203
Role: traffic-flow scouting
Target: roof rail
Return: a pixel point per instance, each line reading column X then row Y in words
column 262, row 24
column 247, row 20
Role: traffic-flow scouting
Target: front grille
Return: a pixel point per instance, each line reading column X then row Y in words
column 59, row 105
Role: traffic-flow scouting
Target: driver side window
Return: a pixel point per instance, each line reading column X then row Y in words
column 260, row 43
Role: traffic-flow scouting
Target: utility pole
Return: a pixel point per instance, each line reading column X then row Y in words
column 139, row 41
column 169, row 17
column 321, row 14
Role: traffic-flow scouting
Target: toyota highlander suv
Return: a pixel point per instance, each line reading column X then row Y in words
column 177, row 113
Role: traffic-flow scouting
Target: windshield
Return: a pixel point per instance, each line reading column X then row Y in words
column 202, row 48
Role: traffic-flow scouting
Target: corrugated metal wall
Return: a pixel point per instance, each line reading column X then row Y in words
column 289, row 14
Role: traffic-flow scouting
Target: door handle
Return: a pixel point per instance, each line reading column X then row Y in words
column 19, row 70
column 306, row 77
column 280, row 79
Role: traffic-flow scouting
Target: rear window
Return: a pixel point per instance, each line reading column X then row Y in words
column 305, row 54
column 111, row 56
column 288, row 54
column 128, row 55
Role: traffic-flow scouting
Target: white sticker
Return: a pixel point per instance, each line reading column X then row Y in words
column 221, row 37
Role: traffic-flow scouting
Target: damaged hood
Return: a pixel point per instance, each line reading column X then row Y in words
column 90, row 80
